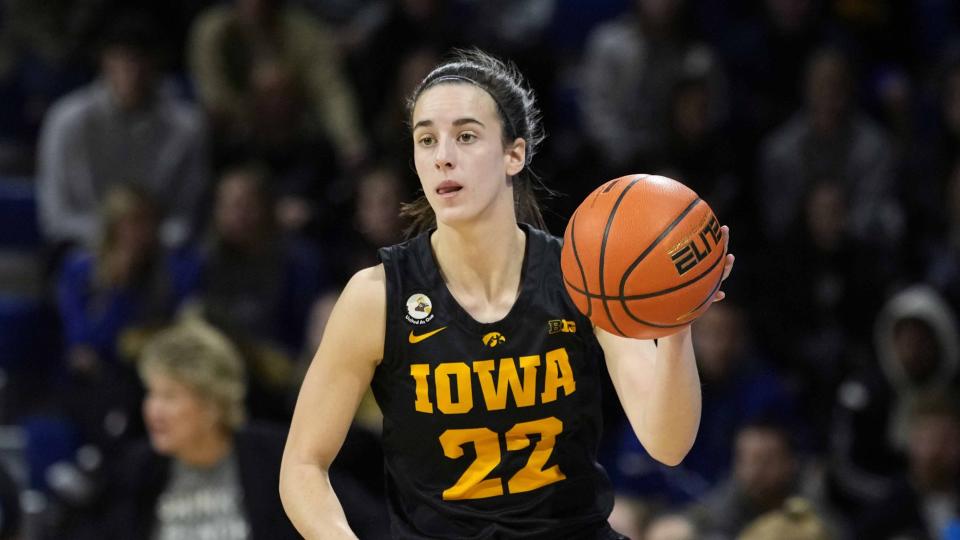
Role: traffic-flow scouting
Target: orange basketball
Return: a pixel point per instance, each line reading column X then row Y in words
column 643, row 256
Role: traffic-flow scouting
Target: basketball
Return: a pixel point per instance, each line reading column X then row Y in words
column 643, row 256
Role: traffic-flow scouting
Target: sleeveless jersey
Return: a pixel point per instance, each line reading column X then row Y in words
column 490, row 430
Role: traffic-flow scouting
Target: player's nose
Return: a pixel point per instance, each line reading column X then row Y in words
column 445, row 154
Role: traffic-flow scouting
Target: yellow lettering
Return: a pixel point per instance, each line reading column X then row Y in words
column 473, row 484
column 420, row 373
column 535, row 474
column 441, row 377
column 558, row 374
column 495, row 396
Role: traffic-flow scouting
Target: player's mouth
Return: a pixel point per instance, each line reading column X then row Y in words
column 448, row 188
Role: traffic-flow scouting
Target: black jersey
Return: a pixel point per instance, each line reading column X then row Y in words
column 490, row 430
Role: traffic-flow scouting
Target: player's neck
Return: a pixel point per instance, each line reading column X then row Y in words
column 481, row 264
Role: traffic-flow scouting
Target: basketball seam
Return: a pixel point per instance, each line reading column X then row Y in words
column 576, row 257
column 713, row 291
column 656, row 241
column 603, row 249
column 623, row 298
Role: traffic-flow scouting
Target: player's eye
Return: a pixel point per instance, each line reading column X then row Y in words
column 467, row 137
column 426, row 140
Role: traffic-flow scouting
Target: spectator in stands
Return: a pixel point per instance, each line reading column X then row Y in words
column 257, row 284
column 766, row 472
column 738, row 388
column 670, row 527
column 918, row 349
column 830, row 139
column 630, row 68
column 376, row 221
column 796, row 520
column 111, row 299
column 122, row 128
column 926, row 499
column 698, row 150
column 40, row 60
column 205, row 474
column 251, row 58
column 819, row 302
column 127, row 282
column 764, row 51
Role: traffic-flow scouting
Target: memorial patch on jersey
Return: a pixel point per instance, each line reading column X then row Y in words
column 419, row 309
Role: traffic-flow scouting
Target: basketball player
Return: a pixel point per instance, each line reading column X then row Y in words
column 487, row 375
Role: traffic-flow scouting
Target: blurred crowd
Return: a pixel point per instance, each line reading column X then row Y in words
column 185, row 186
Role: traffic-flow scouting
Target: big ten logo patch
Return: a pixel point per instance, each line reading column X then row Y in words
column 557, row 326
column 419, row 309
column 493, row 339
column 695, row 248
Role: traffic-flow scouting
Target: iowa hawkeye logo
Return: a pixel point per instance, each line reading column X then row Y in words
column 493, row 339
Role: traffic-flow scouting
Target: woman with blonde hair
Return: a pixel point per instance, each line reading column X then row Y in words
column 205, row 472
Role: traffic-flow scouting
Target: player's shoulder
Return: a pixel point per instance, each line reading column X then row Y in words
column 357, row 323
column 410, row 245
column 367, row 285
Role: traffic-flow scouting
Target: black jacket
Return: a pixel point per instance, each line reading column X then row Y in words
column 144, row 475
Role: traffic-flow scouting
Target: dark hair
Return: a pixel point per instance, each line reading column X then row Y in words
column 132, row 30
column 519, row 115
column 259, row 177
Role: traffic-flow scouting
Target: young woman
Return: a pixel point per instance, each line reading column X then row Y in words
column 487, row 375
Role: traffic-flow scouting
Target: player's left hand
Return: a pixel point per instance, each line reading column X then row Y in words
column 727, row 264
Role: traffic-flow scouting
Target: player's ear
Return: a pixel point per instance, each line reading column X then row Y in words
column 515, row 156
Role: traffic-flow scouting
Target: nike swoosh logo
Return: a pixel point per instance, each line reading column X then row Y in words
column 417, row 339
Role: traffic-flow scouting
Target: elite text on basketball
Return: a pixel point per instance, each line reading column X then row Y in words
column 688, row 253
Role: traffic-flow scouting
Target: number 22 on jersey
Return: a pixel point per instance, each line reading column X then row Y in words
column 474, row 483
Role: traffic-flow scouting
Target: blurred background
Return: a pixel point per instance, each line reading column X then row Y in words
column 230, row 165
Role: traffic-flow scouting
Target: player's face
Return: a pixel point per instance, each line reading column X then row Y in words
column 459, row 153
column 176, row 417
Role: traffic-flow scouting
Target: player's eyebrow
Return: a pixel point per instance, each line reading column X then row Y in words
column 458, row 122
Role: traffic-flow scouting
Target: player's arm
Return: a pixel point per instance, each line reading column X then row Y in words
column 337, row 379
column 659, row 387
